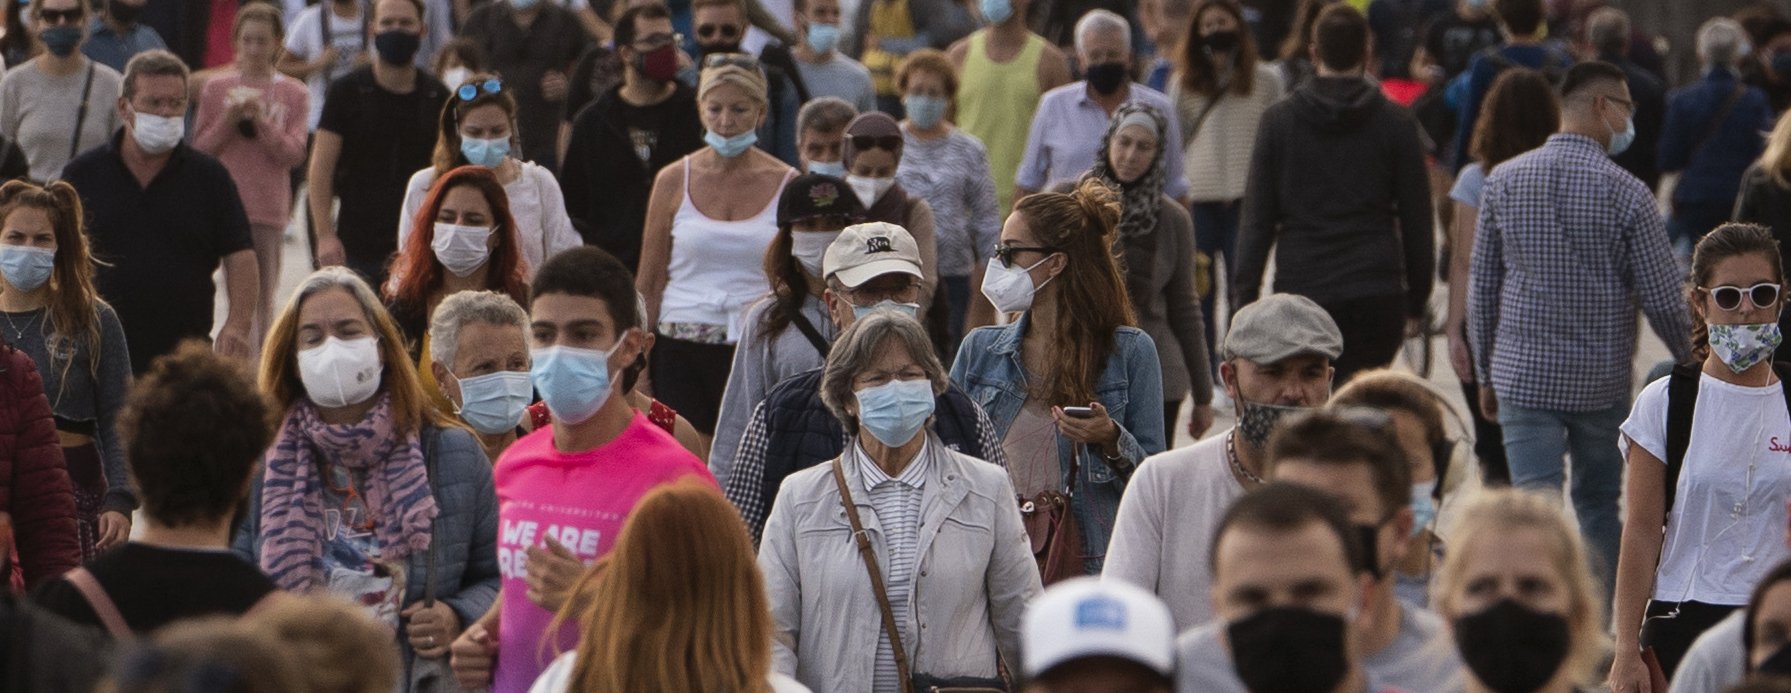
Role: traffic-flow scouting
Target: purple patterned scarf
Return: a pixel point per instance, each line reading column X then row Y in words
column 397, row 490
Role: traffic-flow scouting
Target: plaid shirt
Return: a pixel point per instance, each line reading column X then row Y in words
column 747, row 483
column 1568, row 244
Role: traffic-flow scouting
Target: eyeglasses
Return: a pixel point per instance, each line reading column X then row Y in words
column 742, row 60
column 647, row 43
column 1005, row 253
column 1762, row 295
column 1629, row 106
column 867, row 296
column 73, row 16
column 471, row 90
column 868, row 142
column 727, row 31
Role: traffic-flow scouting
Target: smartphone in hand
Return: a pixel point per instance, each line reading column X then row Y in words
column 1079, row 412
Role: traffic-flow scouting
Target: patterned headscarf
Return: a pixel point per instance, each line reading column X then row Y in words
column 1139, row 199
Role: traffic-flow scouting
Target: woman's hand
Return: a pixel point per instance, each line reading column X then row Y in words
column 552, row 569
column 474, row 656
column 430, row 629
column 114, row 529
column 1629, row 674
column 1094, row 430
column 1199, row 420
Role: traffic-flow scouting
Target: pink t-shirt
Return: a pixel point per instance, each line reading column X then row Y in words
column 581, row 499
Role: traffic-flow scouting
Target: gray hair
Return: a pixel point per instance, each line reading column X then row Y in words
column 860, row 345
column 827, row 114
column 1097, row 21
column 489, row 307
column 152, row 63
column 1721, row 42
column 1607, row 29
column 336, row 277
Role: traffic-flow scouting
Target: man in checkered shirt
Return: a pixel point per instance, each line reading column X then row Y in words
column 1568, row 245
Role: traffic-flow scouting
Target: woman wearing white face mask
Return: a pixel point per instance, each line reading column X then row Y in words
column 478, row 128
column 51, row 312
column 1074, row 388
column 788, row 331
column 479, row 356
column 462, row 239
column 369, row 492
column 950, row 595
column 873, row 152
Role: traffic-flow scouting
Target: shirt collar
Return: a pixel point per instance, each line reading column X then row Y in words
column 914, row 476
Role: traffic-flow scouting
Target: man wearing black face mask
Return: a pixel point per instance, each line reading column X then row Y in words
column 378, row 127
column 1071, row 120
column 1277, row 361
column 116, row 35
column 628, row 134
column 1290, row 598
column 1353, row 456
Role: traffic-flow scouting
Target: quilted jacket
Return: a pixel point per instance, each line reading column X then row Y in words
column 34, row 485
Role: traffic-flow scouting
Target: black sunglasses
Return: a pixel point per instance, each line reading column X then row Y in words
column 728, row 31
column 868, row 142
column 470, row 90
column 730, row 59
column 1762, row 295
column 1005, row 253
column 73, row 16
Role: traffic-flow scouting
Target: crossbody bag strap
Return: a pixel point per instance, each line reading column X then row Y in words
column 876, row 573
column 74, row 144
column 102, row 603
column 427, row 436
column 1722, row 116
column 808, row 330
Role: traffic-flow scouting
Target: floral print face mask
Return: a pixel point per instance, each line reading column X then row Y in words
column 1742, row 346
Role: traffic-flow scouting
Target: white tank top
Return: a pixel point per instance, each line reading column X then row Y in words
column 717, row 267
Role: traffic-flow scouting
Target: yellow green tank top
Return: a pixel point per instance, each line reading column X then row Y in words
column 889, row 19
column 996, row 102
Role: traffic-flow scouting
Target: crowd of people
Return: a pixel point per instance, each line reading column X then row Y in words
column 889, row 346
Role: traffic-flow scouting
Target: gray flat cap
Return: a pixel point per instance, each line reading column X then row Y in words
column 1278, row 326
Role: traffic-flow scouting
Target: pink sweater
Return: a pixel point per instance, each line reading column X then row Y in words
column 260, row 165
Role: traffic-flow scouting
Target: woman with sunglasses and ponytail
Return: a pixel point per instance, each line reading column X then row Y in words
column 1072, row 385
column 50, row 310
column 1725, row 513
column 478, row 128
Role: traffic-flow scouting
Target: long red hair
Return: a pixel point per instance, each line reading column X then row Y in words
column 417, row 275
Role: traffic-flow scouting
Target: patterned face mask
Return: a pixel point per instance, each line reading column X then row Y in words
column 1742, row 346
column 1256, row 421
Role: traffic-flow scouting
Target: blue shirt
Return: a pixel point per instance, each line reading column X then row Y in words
column 1066, row 135
column 1568, row 244
column 112, row 49
column 1478, row 79
column 1712, row 172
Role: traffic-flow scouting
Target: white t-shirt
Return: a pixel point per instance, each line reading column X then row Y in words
column 1727, row 525
column 542, row 227
column 304, row 40
column 558, row 678
column 1165, row 526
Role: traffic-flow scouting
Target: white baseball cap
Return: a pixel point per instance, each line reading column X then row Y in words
column 1091, row 617
column 868, row 250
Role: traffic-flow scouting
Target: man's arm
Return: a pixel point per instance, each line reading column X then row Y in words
column 242, row 281
column 326, row 149
column 1656, row 277
column 1417, row 224
column 1486, row 279
column 1261, row 217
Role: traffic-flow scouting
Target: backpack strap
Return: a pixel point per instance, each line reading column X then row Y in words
column 1682, row 402
column 102, row 604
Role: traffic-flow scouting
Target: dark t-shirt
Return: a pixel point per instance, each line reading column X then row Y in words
column 159, row 245
column 554, row 41
column 386, row 137
column 644, row 123
column 1452, row 41
column 154, row 586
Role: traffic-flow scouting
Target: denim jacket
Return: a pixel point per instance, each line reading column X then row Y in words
column 990, row 370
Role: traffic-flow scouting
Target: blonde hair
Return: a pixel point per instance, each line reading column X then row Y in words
column 678, row 606
column 338, row 648
column 216, row 653
column 1492, row 515
column 1777, row 157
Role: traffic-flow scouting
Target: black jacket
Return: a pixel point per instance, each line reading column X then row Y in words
column 605, row 184
column 1338, row 177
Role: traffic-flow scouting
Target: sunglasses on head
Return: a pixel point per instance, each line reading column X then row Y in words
column 730, row 59
column 471, row 90
column 867, row 142
column 727, row 31
column 1762, row 295
column 1005, row 253
column 60, row 16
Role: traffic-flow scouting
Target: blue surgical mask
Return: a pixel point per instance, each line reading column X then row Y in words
column 487, row 153
column 1620, row 141
column 823, row 37
column 996, row 11
column 493, row 403
column 909, row 309
column 574, row 382
column 25, row 267
column 730, row 147
column 894, row 411
column 62, row 39
column 837, row 169
column 924, row 111
column 523, row 4
column 1424, row 506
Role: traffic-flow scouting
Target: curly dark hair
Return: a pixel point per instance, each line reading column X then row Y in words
column 194, row 428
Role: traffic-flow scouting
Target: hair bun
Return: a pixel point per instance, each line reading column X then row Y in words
column 1099, row 203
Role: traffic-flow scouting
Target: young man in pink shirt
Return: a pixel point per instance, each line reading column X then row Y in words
column 565, row 490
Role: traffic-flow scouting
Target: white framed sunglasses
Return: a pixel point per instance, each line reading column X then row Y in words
column 1728, row 297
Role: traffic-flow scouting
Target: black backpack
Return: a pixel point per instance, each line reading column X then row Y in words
column 1682, row 402
column 1554, row 64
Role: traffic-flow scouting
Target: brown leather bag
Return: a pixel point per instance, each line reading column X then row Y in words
column 1051, row 525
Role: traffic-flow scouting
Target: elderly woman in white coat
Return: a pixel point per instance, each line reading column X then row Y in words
column 940, row 528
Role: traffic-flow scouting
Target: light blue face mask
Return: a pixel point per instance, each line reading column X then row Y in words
column 487, row 153
column 996, row 11
column 911, row 310
column 524, row 4
column 822, row 38
column 25, row 267
column 493, row 403
column 1620, row 141
column 730, row 147
column 837, row 169
column 574, row 382
column 895, row 411
column 924, row 111
column 1424, row 507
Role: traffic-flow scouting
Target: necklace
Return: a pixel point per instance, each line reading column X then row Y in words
column 1231, row 453
column 18, row 333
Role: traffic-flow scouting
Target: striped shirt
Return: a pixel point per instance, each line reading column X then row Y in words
column 952, row 174
column 896, row 501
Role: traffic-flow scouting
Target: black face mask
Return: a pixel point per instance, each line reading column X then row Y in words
column 123, row 13
column 1779, row 664
column 397, row 47
column 1106, row 77
column 1371, row 555
column 1220, row 41
column 1288, row 650
column 1512, row 648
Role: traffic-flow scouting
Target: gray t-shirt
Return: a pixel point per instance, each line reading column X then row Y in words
column 842, row 77
column 1422, row 657
column 1716, row 659
column 38, row 112
column 1165, row 526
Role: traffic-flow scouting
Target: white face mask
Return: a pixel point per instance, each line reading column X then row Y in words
column 340, row 372
column 1011, row 288
column 461, row 249
column 157, row 134
column 869, row 190
column 455, row 76
column 809, row 247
